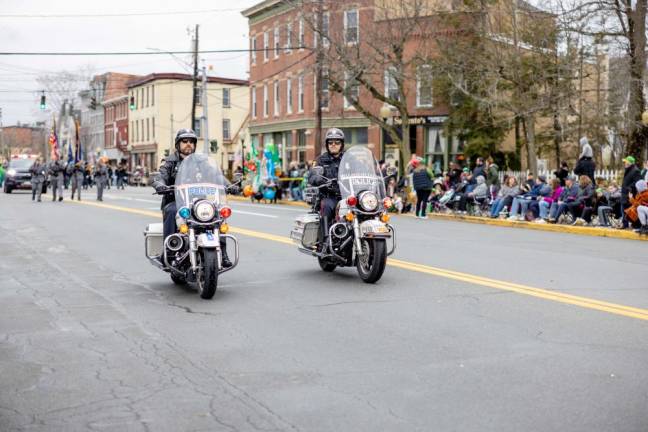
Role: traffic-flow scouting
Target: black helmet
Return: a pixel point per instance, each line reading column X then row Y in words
column 334, row 134
column 183, row 134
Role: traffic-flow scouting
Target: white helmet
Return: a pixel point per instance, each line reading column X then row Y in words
column 334, row 134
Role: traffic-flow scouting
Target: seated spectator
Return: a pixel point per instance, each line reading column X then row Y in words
column 505, row 196
column 545, row 203
column 521, row 202
column 567, row 196
column 528, row 184
column 583, row 200
column 478, row 195
column 609, row 205
column 638, row 210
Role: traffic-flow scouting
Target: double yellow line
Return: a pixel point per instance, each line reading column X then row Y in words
column 583, row 302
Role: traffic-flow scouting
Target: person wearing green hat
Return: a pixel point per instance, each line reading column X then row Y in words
column 631, row 176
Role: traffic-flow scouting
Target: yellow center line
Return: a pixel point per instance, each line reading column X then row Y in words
column 584, row 302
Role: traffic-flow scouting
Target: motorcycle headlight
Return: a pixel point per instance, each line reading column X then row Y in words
column 204, row 211
column 369, row 201
column 11, row 172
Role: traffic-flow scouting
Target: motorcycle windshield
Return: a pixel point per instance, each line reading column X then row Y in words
column 199, row 178
column 359, row 172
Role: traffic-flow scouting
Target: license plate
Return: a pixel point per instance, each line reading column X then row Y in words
column 374, row 228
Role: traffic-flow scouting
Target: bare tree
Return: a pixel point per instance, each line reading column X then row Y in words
column 63, row 86
column 505, row 62
column 377, row 66
column 623, row 24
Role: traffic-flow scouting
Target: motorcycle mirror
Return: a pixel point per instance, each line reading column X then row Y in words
column 238, row 176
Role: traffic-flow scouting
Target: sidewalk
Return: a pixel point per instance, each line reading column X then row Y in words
column 569, row 229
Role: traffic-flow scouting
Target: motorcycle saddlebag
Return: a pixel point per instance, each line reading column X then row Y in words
column 153, row 243
column 305, row 229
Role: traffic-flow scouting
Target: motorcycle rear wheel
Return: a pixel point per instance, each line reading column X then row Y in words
column 371, row 266
column 208, row 277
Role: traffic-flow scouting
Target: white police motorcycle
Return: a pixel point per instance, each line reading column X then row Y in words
column 193, row 254
column 360, row 235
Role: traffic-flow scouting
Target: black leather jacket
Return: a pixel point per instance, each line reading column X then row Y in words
column 167, row 176
column 331, row 165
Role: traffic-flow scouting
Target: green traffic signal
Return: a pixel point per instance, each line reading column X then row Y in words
column 43, row 105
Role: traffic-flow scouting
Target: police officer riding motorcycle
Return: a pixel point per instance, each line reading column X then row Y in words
column 329, row 162
column 185, row 145
column 348, row 222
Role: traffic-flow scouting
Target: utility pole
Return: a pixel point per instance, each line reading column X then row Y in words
column 195, row 79
column 172, row 149
column 320, row 52
column 205, row 122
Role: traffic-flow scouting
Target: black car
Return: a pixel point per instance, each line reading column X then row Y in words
column 18, row 175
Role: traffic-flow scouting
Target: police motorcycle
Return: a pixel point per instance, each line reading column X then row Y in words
column 360, row 235
column 193, row 254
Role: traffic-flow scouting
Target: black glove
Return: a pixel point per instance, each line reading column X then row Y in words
column 234, row 190
column 161, row 188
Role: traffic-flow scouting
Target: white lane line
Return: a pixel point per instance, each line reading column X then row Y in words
column 125, row 198
column 268, row 207
column 256, row 214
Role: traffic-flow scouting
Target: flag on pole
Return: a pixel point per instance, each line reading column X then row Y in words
column 54, row 144
column 77, row 147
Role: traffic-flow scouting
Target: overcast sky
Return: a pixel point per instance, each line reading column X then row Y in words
column 222, row 28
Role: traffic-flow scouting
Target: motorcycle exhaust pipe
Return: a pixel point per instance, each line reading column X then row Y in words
column 174, row 242
column 340, row 230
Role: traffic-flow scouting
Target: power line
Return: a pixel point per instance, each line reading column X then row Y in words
column 118, row 15
column 108, row 53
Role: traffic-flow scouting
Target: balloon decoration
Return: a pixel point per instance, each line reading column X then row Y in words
column 269, row 193
column 261, row 168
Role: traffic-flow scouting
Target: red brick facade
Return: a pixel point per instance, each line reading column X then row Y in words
column 115, row 105
column 293, row 130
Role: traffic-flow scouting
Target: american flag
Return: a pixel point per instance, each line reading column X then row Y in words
column 54, row 144
column 77, row 148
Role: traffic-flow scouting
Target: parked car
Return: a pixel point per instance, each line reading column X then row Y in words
column 18, row 175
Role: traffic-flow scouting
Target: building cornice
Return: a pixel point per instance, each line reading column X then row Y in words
column 183, row 77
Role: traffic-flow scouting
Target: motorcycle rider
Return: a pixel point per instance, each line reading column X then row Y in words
column 329, row 162
column 185, row 145
column 55, row 170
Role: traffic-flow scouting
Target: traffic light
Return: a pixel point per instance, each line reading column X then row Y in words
column 213, row 146
column 132, row 103
column 166, row 153
column 93, row 103
column 43, row 104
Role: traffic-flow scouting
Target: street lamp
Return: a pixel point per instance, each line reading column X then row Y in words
column 644, row 118
column 386, row 114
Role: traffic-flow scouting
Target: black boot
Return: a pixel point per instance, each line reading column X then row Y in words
column 226, row 261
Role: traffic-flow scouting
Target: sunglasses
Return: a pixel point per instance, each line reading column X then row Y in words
column 337, row 143
column 187, row 140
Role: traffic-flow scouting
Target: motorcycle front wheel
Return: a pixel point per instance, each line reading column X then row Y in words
column 371, row 264
column 208, row 278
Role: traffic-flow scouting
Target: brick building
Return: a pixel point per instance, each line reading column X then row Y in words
column 163, row 105
column 283, row 87
column 24, row 139
column 115, row 106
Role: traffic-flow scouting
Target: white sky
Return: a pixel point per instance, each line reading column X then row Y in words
column 224, row 29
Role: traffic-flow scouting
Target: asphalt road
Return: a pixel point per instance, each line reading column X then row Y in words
column 471, row 328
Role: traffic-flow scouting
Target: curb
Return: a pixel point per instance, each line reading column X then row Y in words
column 567, row 229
